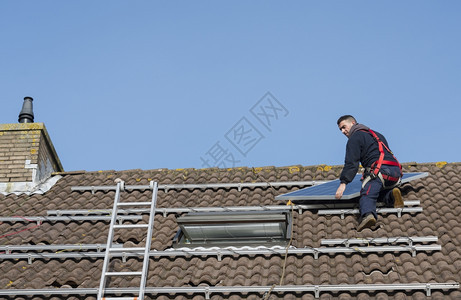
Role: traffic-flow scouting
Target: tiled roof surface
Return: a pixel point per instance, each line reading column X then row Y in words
column 439, row 193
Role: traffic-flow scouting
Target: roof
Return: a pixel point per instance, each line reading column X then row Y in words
column 439, row 195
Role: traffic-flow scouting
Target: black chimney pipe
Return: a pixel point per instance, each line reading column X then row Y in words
column 27, row 114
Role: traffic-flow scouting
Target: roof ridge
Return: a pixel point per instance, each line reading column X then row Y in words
column 290, row 168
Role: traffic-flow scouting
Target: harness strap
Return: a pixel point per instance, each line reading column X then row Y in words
column 397, row 182
column 376, row 166
column 383, row 179
column 365, row 181
column 391, row 163
column 389, row 178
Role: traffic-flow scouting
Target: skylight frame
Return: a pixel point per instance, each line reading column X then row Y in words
column 223, row 229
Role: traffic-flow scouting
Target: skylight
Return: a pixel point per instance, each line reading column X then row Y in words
column 234, row 228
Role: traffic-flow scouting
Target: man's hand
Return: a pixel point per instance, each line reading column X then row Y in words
column 340, row 191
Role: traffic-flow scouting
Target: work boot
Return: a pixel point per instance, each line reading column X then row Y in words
column 397, row 195
column 368, row 221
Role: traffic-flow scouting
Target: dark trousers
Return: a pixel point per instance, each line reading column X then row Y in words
column 374, row 191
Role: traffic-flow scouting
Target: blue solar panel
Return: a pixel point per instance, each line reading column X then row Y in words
column 327, row 191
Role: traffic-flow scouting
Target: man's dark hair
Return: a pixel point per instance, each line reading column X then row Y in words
column 346, row 117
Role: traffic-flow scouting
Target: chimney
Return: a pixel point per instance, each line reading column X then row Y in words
column 27, row 155
column 27, row 112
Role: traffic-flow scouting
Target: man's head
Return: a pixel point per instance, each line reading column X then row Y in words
column 345, row 123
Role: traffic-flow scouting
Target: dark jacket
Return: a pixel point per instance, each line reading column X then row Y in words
column 361, row 148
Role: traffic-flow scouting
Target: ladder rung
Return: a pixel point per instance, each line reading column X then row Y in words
column 132, row 226
column 126, row 249
column 134, row 203
column 123, row 273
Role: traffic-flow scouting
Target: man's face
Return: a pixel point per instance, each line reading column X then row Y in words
column 345, row 126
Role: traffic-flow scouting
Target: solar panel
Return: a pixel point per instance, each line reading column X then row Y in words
column 327, row 191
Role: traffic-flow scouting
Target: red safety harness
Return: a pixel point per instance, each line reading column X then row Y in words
column 374, row 170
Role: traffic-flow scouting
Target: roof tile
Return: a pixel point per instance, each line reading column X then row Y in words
column 439, row 194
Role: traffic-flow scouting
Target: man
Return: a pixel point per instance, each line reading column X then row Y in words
column 382, row 170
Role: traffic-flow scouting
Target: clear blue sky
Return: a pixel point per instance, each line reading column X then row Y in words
column 173, row 84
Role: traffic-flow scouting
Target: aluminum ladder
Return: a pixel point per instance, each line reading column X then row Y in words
column 110, row 249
